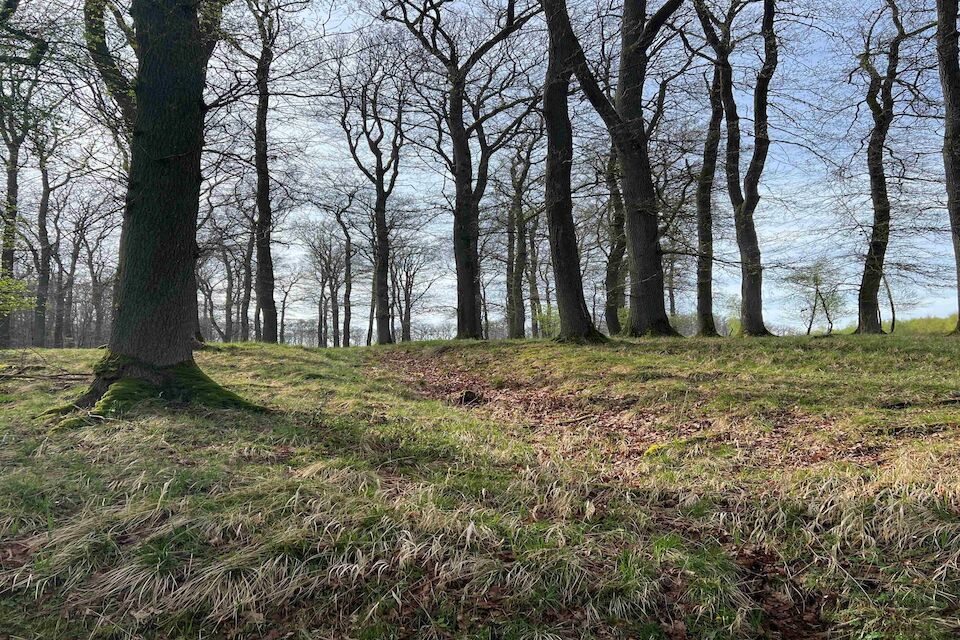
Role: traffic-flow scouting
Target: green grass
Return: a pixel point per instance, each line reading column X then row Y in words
column 640, row 489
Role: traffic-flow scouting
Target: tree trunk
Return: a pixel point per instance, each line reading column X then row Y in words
column 947, row 52
column 335, row 314
column 155, row 316
column 247, row 285
column 10, row 220
column 706, row 324
column 466, row 224
column 868, row 299
column 648, row 316
column 575, row 322
column 382, row 270
column 615, row 280
column 347, row 287
column 228, row 298
column 265, row 277
column 745, row 202
column 532, row 270
column 43, row 267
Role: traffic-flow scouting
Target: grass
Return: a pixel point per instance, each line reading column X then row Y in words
column 790, row 488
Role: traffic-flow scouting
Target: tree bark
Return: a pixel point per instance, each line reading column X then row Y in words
column 247, row 284
column 11, row 215
column 265, row 278
column 575, row 322
column 615, row 280
column 152, row 338
column 382, row 270
column 947, row 53
column 43, row 265
column 706, row 324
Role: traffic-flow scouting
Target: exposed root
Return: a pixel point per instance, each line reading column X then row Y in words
column 121, row 383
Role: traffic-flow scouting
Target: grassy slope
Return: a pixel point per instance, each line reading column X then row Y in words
column 663, row 489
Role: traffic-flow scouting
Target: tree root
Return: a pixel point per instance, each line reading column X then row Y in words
column 121, row 383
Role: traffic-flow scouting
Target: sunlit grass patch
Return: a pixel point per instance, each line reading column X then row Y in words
column 728, row 489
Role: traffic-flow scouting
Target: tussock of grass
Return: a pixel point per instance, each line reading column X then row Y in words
column 360, row 507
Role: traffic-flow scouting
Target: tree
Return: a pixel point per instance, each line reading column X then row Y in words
column 624, row 119
column 373, row 103
column 575, row 321
column 37, row 46
column 949, row 64
column 459, row 59
column 882, row 102
column 151, row 345
column 706, row 324
column 745, row 195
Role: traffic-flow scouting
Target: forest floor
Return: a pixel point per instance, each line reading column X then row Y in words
column 774, row 488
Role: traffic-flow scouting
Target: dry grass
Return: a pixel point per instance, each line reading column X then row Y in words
column 659, row 489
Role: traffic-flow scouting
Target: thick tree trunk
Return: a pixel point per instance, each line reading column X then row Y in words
column 265, row 278
column 615, row 279
column 648, row 315
column 947, row 52
column 155, row 305
column 575, row 321
column 706, row 324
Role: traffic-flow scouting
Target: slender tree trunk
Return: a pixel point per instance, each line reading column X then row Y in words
column 532, row 270
column 347, row 288
column 947, row 52
column 745, row 202
column 247, row 286
column 512, row 303
column 373, row 314
column 10, row 220
column 706, row 324
column 43, row 267
column 575, row 322
column 382, row 270
column 265, row 278
column 58, row 314
column 868, row 298
column 228, row 298
column 335, row 313
column 615, row 280
column 519, row 326
column 466, row 224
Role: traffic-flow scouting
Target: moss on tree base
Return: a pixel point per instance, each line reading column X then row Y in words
column 122, row 383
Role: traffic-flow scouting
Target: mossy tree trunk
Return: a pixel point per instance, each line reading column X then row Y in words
column 155, row 304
